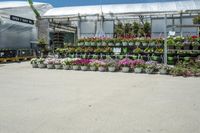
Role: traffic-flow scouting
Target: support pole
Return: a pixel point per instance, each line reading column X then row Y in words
column 181, row 23
column 165, row 44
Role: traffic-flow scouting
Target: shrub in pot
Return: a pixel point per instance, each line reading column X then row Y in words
column 196, row 43
column 145, row 42
column 58, row 64
column 50, row 63
column 66, row 63
column 102, row 66
column 150, row 67
column 112, row 64
column 131, row 42
column 138, row 65
column 34, row 63
column 93, row 65
column 125, row 65
column 170, row 43
column 163, row 69
column 41, row 63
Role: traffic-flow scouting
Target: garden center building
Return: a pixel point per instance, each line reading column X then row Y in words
column 71, row 23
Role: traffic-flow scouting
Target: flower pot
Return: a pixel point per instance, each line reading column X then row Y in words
column 93, row 44
column 134, row 57
column 131, row 44
column 41, row 65
column 102, row 69
column 124, row 43
column 84, row 68
column 152, row 44
column 149, row 71
column 93, row 68
column 34, row 65
column 80, row 44
column 87, row 43
column 155, row 58
column 104, row 44
column 66, row 67
column 137, row 43
column 75, row 67
column 125, row 69
column 186, row 58
column 110, row 44
column 50, row 66
column 118, row 44
column 58, row 66
column 144, row 44
column 111, row 69
column 138, row 70
column 163, row 71
column 99, row 44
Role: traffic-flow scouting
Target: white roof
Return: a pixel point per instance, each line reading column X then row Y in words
column 174, row 6
column 16, row 4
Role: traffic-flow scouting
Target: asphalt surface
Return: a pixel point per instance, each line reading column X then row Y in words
column 61, row 101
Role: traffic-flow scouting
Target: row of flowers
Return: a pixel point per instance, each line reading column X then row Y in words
column 191, row 68
column 173, row 41
column 120, row 42
column 124, row 65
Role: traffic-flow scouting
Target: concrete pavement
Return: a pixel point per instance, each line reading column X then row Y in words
column 60, row 101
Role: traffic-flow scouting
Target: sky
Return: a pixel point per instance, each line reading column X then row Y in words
column 62, row 3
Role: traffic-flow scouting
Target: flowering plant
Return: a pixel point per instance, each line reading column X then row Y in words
column 57, row 62
column 66, row 61
column 84, row 62
column 111, row 62
column 33, row 61
column 125, row 62
column 98, row 63
column 93, row 63
column 41, row 61
column 49, row 61
column 138, row 63
column 151, row 65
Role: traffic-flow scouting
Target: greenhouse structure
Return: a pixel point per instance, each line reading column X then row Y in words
column 69, row 27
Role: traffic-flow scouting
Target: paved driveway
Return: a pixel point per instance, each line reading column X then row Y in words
column 59, row 101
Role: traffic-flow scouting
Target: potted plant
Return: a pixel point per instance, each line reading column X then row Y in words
column 170, row 43
column 41, row 63
column 84, row 64
column 57, row 64
column 138, row 65
column 152, row 42
column 196, row 43
column 137, row 51
column 118, row 42
column 110, row 42
column 137, row 42
column 159, row 42
column 81, row 42
column 125, row 65
column 124, row 42
column 34, row 63
column 145, row 41
column 75, row 64
column 163, row 69
column 66, row 63
column 131, row 42
column 150, row 67
column 50, row 63
column 179, row 42
column 102, row 66
column 112, row 64
column 93, row 65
